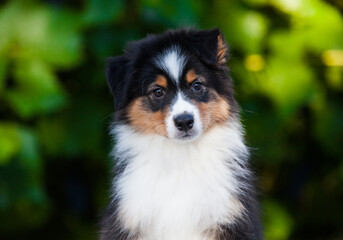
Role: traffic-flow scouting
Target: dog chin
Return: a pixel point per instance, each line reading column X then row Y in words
column 186, row 137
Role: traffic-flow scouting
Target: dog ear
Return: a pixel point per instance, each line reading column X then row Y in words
column 117, row 74
column 222, row 49
column 211, row 46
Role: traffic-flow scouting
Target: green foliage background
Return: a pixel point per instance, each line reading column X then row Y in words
column 55, row 108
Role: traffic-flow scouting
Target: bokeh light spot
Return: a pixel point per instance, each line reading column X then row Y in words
column 254, row 63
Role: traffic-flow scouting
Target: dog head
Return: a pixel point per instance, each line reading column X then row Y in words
column 175, row 84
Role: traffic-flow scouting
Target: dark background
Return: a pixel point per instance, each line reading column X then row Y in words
column 55, row 108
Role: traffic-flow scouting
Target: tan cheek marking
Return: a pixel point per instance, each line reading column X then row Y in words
column 214, row 112
column 161, row 81
column 190, row 76
column 145, row 121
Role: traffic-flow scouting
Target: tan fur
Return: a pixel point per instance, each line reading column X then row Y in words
column 214, row 112
column 146, row 121
column 190, row 76
column 221, row 50
column 161, row 81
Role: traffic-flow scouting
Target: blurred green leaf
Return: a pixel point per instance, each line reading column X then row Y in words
column 257, row 2
column 74, row 132
column 177, row 13
column 278, row 222
column 37, row 89
column 23, row 203
column 104, row 43
column 102, row 12
column 6, row 32
column 311, row 19
column 328, row 127
column 29, row 153
column 289, row 83
column 245, row 29
column 3, row 65
column 49, row 36
column 9, row 142
column 288, row 6
column 289, row 45
column 40, row 33
column 334, row 77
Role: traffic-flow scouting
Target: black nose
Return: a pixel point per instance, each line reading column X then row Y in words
column 184, row 122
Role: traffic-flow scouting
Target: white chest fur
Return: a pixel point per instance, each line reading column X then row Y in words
column 171, row 190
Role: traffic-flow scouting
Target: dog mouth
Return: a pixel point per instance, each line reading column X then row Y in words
column 187, row 136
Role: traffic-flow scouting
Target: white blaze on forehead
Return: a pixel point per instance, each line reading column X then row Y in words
column 171, row 61
column 181, row 105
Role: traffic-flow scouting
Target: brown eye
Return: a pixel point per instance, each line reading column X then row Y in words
column 197, row 86
column 158, row 92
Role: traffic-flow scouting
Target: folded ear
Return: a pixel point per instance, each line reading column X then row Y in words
column 211, row 46
column 117, row 74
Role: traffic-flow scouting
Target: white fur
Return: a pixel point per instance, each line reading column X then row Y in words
column 171, row 61
column 177, row 190
column 180, row 106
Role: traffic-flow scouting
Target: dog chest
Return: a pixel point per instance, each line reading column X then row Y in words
column 177, row 189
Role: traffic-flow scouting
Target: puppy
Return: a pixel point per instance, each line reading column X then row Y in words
column 181, row 163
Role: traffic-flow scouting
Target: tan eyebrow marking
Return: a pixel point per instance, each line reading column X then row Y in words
column 191, row 76
column 161, row 81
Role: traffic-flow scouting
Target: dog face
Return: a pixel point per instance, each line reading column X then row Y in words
column 175, row 84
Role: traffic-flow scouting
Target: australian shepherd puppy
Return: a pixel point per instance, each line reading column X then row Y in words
column 181, row 163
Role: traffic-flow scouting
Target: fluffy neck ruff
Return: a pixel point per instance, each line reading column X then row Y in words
column 173, row 190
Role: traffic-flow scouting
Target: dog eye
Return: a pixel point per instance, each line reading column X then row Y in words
column 197, row 86
column 158, row 92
